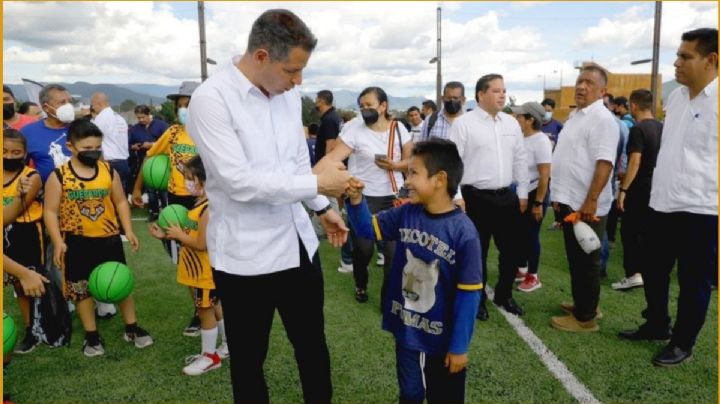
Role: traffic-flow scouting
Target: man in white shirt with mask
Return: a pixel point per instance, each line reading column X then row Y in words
column 246, row 123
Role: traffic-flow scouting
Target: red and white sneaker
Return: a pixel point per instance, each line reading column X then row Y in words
column 520, row 274
column 530, row 283
column 199, row 364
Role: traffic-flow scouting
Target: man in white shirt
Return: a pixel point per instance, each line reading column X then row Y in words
column 491, row 145
column 684, row 200
column 415, row 121
column 115, row 136
column 246, row 123
column 581, row 169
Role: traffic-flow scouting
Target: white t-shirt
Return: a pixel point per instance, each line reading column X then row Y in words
column 538, row 150
column 365, row 144
column 115, row 134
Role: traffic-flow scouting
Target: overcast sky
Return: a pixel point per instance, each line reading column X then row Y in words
column 387, row 44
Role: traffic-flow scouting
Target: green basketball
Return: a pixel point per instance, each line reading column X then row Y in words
column 156, row 172
column 173, row 215
column 9, row 334
column 111, row 282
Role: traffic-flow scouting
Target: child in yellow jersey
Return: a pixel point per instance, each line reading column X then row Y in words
column 83, row 200
column 194, row 270
column 23, row 240
column 180, row 148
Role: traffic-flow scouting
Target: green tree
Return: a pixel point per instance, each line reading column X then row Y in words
column 167, row 112
column 308, row 111
column 127, row 105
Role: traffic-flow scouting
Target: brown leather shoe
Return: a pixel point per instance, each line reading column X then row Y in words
column 569, row 308
column 570, row 324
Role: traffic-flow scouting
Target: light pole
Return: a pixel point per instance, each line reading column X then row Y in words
column 656, row 56
column 438, row 59
column 203, row 48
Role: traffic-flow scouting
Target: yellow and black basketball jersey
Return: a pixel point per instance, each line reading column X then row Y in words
column 179, row 146
column 194, row 266
column 33, row 212
column 86, row 207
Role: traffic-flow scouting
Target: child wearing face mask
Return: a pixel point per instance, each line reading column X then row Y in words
column 83, row 201
column 194, row 271
column 24, row 238
column 177, row 144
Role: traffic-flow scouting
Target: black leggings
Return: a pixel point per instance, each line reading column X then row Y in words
column 363, row 249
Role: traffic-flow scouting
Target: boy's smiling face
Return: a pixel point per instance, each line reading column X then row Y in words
column 422, row 187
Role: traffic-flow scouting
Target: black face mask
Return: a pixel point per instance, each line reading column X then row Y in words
column 89, row 157
column 452, row 107
column 370, row 116
column 13, row 164
column 8, row 110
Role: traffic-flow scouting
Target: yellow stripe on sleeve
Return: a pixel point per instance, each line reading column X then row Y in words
column 376, row 226
column 476, row 286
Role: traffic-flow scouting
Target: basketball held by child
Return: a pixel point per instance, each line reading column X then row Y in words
column 111, row 282
column 173, row 215
column 9, row 334
column 156, row 172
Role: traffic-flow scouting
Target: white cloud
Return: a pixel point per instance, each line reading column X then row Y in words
column 16, row 54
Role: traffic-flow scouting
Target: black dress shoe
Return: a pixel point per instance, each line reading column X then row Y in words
column 509, row 305
column 482, row 314
column 645, row 334
column 671, row 355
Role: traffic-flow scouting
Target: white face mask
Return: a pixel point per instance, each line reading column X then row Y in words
column 548, row 116
column 65, row 113
column 182, row 115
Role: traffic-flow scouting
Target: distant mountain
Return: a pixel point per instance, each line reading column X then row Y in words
column 117, row 92
column 154, row 90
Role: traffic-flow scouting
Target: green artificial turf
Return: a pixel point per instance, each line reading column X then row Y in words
column 502, row 368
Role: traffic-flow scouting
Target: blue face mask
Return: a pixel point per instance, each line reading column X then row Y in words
column 182, row 115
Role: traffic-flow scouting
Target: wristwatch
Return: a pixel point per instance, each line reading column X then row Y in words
column 323, row 210
column 537, row 203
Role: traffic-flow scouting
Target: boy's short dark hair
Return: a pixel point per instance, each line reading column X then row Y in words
column 642, row 98
column 441, row 155
column 80, row 129
column 12, row 134
column 196, row 168
column 548, row 101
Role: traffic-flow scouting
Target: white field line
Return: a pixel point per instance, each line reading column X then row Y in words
column 573, row 386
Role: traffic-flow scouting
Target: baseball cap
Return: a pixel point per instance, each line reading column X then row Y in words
column 533, row 109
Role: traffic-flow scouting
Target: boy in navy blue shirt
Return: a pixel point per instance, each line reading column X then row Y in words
column 434, row 285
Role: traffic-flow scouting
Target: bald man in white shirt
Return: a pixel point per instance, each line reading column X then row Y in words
column 246, row 123
column 684, row 200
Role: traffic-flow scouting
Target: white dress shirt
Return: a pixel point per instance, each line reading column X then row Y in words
column 492, row 151
column 686, row 174
column 115, row 134
column 589, row 135
column 258, row 172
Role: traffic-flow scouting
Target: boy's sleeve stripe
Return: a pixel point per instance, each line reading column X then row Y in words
column 376, row 226
column 476, row 286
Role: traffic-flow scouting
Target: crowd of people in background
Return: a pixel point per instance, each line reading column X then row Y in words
column 612, row 161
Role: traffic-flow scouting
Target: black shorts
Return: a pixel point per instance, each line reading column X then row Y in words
column 82, row 256
column 187, row 201
column 24, row 243
column 204, row 298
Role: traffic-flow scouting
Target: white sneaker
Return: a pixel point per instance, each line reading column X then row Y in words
column 345, row 268
column 199, row 364
column 222, row 350
column 628, row 283
column 380, row 260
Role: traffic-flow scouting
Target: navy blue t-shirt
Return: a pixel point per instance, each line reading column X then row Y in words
column 552, row 129
column 436, row 256
column 46, row 147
